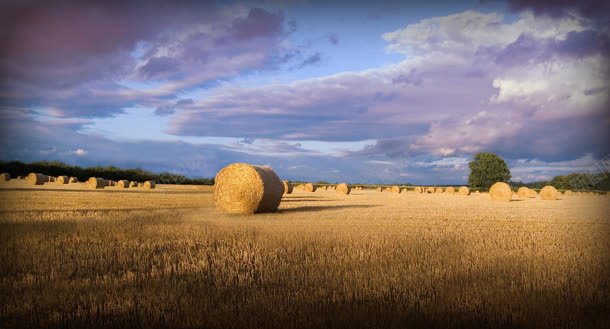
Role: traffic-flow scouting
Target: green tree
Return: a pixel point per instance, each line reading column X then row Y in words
column 486, row 169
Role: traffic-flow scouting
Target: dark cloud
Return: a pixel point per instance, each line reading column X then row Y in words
column 258, row 23
column 594, row 9
column 314, row 59
column 333, row 38
column 159, row 67
column 168, row 109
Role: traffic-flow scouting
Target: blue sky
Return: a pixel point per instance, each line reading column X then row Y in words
column 380, row 93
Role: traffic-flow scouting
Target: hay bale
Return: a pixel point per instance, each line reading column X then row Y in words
column 122, row 184
column 37, row 179
column 429, row 190
column 394, row 189
column 523, row 192
column 20, row 177
column 418, row 189
column 287, row 187
column 477, row 192
column 463, row 190
column 568, row 193
column 501, row 191
column 95, row 183
column 438, row 190
column 379, row 189
column 140, row 184
column 343, row 188
column 549, row 193
column 133, row 184
column 532, row 193
column 149, row 184
column 73, row 180
column 62, row 180
column 5, row 177
column 450, row 190
column 309, row 187
column 242, row 188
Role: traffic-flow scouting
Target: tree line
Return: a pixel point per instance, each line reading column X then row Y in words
column 57, row 168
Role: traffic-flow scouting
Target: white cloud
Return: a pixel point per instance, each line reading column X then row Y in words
column 80, row 152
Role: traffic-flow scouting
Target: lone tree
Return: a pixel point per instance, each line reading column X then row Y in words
column 486, row 169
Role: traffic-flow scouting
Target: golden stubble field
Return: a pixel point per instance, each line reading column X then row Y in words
column 75, row 258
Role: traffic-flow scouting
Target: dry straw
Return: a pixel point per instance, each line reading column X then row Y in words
column 463, row 190
column 568, row 193
column 438, row 190
column 418, row 189
column 133, row 184
column 95, row 183
column 242, row 188
column 62, row 180
column 122, row 184
column 430, row 189
column 150, row 184
column 501, row 191
column 73, row 180
column 549, row 193
column 287, row 187
column 394, row 189
column 309, row 187
column 450, row 190
column 343, row 188
column 37, row 179
column 532, row 193
column 140, row 184
column 5, row 177
column 523, row 192
column 379, row 189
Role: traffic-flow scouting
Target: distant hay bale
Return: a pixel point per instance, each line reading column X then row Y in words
column 242, row 188
column 430, row 189
column 20, row 177
column 149, row 184
column 379, row 189
column 463, row 190
column 418, row 189
column 343, row 188
column 122, row 184
column 549, row 193
column 394, row 189
column 95, row 183
column 523, row 192
column 450, row 190
column 568, row 193
column 531, row 193
column 62, row 180
column 309, row 187
column 438, row 190
column 5, row 177
column 37, row 179
column 287, row 187
column 133, row 184
column 73, row 180
column 477, row 192
column 140, row 184
column 111, row 183
column 501, row 191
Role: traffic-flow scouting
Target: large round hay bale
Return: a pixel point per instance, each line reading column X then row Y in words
column 61, row 180
column 242, row 188
column 37, row 179
column 95, row 183
column 343, row 188
column 501, row 191
column 523, row 192
column 122, row 184
column 438, row 190
column 418, row 189
column 140, row 184
column 394, row 189
column 463, row 190
column 309, row 187
column 531, row 193
column 150, row 184
column 5, row 177
column 568, row 193
column 430, row 189
column 549, row 193
column 133, row 184
column 287, row 187
column 73, row 180
column 450, row 190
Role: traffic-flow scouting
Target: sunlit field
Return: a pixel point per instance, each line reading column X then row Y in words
column 77, row 258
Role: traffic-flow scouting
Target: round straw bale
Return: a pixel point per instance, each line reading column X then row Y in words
column 309, row 187
column 450, row 190
column 438, row 190
column 36, row 179
column 523, row 192
column 549, row 193
column 418, row 189
column 62, row 180
column 4, row 177
column 379, row 189
column 73, row 180
column 242, row 188
column 133, row 184
column 477, row 192
column 287, row 187
column 140, row 184
column 343, row 188
column 531, row 193
column 501, row 191
column 394, row 189
column 95, row 183
column 430, row 189
column 149, row 184
column 463, row 190
column 122, row 184
column 568, row 193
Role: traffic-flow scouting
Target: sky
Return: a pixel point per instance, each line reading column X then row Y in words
column 340, row 91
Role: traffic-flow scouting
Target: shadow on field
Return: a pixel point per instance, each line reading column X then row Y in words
column 307, row 200
column 322, row 208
